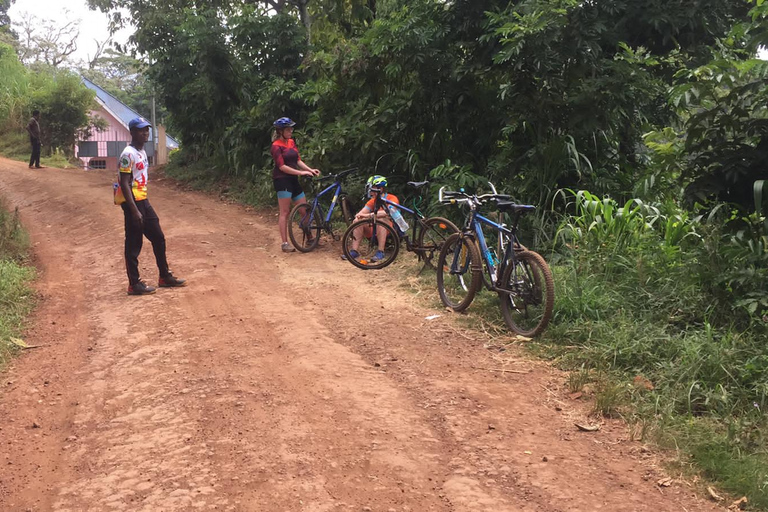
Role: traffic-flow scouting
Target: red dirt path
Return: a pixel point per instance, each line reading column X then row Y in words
column 262, row 386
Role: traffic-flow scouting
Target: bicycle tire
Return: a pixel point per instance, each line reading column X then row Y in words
column 533, row 297
column 368, row 245
column 302, row 223
column 437, row 230
column 449, row 282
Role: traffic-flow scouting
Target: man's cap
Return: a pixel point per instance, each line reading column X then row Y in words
column 139, row 122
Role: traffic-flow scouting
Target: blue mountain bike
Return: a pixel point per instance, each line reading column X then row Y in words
column 307, row 220
column 521, row 277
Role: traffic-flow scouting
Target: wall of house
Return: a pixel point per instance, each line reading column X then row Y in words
column 115, row 132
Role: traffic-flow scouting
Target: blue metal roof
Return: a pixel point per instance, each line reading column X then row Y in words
column 120, row 110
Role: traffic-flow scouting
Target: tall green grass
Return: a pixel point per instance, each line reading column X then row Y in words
column 651, row 294
column 16, row 297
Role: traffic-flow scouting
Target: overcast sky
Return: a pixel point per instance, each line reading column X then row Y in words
column 93, row 24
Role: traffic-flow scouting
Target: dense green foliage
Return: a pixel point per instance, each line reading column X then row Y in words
column 536, row 94
column 64, row 103
column 6, row 34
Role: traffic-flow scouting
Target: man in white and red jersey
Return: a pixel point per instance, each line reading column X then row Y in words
column 140, row 218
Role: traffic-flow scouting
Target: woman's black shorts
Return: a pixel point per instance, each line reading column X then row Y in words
column 288, row 187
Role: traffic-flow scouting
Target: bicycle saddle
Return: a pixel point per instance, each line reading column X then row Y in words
column 418, row 184
column 508, row 206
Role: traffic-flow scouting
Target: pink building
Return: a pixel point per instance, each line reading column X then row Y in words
column 102, row 149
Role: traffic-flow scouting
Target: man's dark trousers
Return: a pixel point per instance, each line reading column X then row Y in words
column 35, row 158
column 134, row 238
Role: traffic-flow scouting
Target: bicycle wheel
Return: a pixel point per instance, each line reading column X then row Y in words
column 528, row 309
column 458, row 271
column 304, row 226
column 360, row 237
column 433, row 234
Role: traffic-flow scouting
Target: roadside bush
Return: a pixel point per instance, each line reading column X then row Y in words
column 651, row 292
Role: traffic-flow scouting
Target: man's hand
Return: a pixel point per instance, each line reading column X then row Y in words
column 138, row 219
column 315, row 172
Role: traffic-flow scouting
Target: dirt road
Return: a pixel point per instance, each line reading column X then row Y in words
column 273, row 382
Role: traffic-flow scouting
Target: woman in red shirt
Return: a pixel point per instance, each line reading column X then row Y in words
column 285, row 174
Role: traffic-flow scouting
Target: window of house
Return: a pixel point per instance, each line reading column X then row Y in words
column 97, row 164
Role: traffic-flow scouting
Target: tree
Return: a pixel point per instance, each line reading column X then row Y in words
column 65, row 105
column 724, row 105
column 47, row 42
column 125, row 77
column 7, row 35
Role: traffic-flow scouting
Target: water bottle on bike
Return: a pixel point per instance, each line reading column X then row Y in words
column 394, row 212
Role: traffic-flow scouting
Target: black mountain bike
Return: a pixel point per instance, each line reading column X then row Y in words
column 428, row 234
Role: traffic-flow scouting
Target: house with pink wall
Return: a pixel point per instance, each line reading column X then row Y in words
column 102, row 149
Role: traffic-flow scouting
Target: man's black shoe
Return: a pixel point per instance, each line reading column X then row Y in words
column 140, row 288
column 171, row 281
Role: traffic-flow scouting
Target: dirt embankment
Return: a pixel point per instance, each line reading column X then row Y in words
column 273, row 382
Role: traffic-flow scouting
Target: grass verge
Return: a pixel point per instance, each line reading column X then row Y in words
column 689, row 388
column 16, row 297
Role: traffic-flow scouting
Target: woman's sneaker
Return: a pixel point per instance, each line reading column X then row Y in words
column 140, row 288
column 171, row 281
column 286, row 247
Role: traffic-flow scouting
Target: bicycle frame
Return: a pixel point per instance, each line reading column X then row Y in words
column 335, row 185
column 475, row 223
column 418, row 223
column 337, row 192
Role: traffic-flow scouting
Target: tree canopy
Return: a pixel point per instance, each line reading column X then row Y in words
column 538, row 94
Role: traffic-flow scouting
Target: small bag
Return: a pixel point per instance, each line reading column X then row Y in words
column 117, row 192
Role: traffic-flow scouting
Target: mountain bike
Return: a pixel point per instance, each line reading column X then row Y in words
column 428, row 235
column 521, row 277
column 307, row 220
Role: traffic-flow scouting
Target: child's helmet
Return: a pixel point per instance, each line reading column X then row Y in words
column 376, row 181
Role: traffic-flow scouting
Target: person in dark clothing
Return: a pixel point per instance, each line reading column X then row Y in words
column 285, row 174
column 140, row 218
column 33, row 128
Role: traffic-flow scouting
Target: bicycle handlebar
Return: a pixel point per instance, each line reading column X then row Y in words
column 453, row 197
column 338, row 176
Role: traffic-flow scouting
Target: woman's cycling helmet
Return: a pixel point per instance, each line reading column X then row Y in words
column 283, row 122
column 374, row 182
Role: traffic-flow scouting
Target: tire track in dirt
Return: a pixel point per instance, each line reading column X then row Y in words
column 264, row 385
